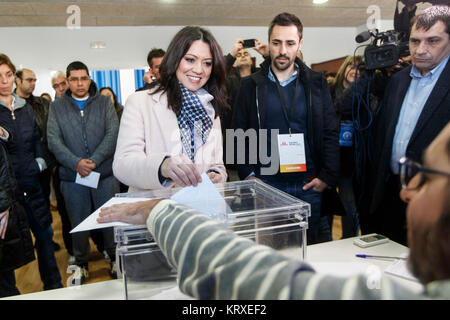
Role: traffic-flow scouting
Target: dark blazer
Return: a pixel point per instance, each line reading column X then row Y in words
column 24, row 146
column 434, row 117
column 323, row 135
column 16, row 249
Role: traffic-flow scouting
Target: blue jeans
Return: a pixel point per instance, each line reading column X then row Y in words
column 48, row 268
column 318, row 227
column 350, row 222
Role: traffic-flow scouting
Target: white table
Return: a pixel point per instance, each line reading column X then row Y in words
column 335, row 257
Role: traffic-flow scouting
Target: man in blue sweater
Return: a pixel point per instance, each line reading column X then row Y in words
column 292, row 104
column 82, row 133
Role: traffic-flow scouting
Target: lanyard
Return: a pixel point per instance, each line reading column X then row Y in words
column 283, row 102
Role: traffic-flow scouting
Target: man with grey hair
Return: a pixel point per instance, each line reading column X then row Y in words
column 59, row 84
column 414, row 110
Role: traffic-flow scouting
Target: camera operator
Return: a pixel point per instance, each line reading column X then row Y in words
column 402, row 20
column 414, row 109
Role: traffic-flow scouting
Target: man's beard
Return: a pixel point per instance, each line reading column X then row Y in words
column 417, row 242
column 429, row 258
column 282, row 67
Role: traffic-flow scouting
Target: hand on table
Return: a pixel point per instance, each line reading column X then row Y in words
column 133, row 213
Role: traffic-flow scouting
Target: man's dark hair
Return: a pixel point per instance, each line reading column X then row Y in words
column 285, row 20
column 180, row 44
column 154, row 53
column 430, row 16
column 19, row 74
column 76, row 65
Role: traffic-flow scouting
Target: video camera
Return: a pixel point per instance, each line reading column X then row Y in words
column 385, row 50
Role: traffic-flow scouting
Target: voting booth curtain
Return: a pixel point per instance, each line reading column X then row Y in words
column 108, row 78
column 139, row 78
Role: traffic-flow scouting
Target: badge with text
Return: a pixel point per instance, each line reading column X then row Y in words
column 291, row 149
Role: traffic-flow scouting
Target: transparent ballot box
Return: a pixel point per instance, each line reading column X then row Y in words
column 253, row 210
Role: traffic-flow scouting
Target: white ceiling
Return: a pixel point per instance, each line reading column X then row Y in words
column 337, row 13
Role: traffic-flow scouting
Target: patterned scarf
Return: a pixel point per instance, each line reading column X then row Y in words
column 192, row 121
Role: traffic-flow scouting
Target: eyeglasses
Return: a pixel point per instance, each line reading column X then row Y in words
column 409, row 169
column 82, row 79
column 61, row 84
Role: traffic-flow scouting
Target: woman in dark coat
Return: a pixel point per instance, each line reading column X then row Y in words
column 16, row 246
column 341, row 92
column 25, row 152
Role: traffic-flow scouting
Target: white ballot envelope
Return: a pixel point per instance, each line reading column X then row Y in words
column 90, row 181
column 204, row 198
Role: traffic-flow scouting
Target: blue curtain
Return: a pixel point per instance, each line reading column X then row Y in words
column 139, row 78
column 107, row 78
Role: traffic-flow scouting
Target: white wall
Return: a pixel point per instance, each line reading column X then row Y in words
column 46, row 49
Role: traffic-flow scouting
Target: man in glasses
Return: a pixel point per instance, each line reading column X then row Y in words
column 82, row 134
column 414, row 110
column 426, row 190
column 59, row 84
column 218, row 264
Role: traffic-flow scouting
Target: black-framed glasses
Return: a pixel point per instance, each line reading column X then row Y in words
column 409, row 169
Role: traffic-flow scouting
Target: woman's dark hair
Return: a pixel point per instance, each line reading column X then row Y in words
column 111, row 90
column 168, row 82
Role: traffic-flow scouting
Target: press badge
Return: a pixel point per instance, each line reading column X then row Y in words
column 291, row 149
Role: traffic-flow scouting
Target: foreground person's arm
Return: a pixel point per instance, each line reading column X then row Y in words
column 214, row 263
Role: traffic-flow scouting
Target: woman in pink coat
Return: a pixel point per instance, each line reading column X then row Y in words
column 170, row 134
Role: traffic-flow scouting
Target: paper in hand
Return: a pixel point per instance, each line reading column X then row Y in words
column 204, row 198
column 90, row 181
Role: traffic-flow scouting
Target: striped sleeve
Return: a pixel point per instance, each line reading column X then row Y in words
column 214, row 263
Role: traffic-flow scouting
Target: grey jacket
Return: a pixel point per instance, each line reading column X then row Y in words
column 91, row 134
column 214, row 263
